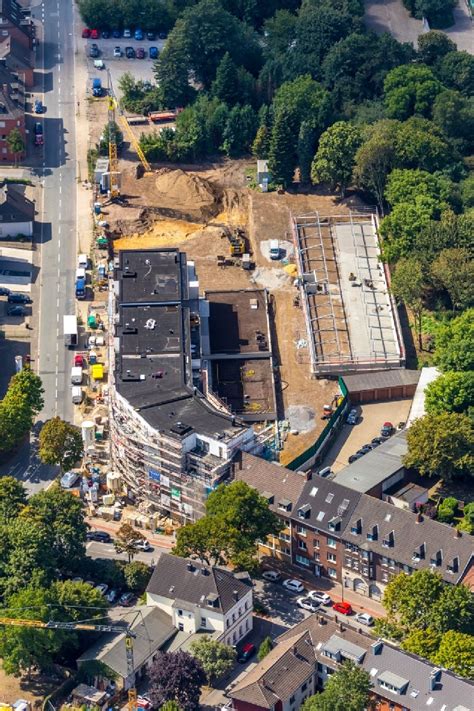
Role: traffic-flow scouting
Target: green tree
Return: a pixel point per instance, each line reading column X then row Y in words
column 261, row 144
column 401, row 228
column 405, row 185
column 22, row 402
column 307, row 138
column 410, row 89
column 28, row 559
column 454, row 610
column 348, row 689
column 450, row 231
column 215, row 657
column 420, row 144
column 456, row 652
column 467, row 521
column 441, row 445
column 265, row 648
column 409, row 599
column 454, row 114
column 171, row 706
column 15, row 143
column 433, row 46
column 171, row 71
column 424, row 643
column 282, row 158
column 437, row 12
column 455, row 343
column 206, row 539
column 408, row 286
column 239, row 132
column 117, row 135
column 450, row 392
column 335, row 157
column 447, row 509
column 456, row 70
column 375, row 159
column 128, row 541
column 60, row 443
column 226, row 84
column 137, row 575
column 12, row 498
column 453, row 270
column 467, row 191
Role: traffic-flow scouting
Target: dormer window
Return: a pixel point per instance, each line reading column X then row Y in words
column 268, row 496
column 284, row 505
column 373, row 533
column 304, row 511
column 335, row 523
column 389, row 540
column 419, row 553
column 356, row 528
column 453, row 567
column 436, row 559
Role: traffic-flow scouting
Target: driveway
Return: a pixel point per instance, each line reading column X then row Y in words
column 392, row 16
column 462, row 32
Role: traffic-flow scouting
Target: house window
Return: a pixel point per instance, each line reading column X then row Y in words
column 292, row 699
column 286, row 551
column 317, row 556
column 233, row 617
column 301, row 530
column 316, row 542
column 301, row 560
column 304, row 687
column 332, row 543
column 247, row 624
column 240, row 611
column 180, row 613
column 246, row 604
column 203, row 622
column 331, row 557
column 302, row 546
column 385, row 577
column 332, row 572
column 227, row 623
column 285, row 537
column 347, row 561
column 180, row 627
column 384, row 560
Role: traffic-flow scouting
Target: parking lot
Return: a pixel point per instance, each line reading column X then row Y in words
column 139, row 68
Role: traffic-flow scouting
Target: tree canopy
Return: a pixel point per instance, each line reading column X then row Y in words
column 22, row 402
column 215, row 657
column 60, row 443
column 348, row 689
column 450, row 392
column 176, row 676
column 455, row 343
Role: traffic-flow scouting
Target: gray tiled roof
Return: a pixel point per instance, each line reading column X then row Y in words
column 442, row 692
column 382, row 379
column 269, row 479
column 328, row 502
column 152, row 626
column 375, row 466
column 181, row 579
column 408, row 535
column 279, row 674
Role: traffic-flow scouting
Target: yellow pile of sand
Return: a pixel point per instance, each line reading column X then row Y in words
column 185, row 191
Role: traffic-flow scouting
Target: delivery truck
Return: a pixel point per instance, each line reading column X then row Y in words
column 70, row 331
column 76, row 375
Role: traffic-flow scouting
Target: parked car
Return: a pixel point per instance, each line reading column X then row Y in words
column 94, row 50
column 127, row 34
column 376, row 440
column 272, row 576
column 153, row 52
column 355, row 457
column 163, row 35
column 387, row 429
column 68, row 479
column 364, row 618
column 144, row 545
column 86, row 33
column 4, row 291
column 366, row 448
column 99, row 64
column 140, row 53
column 116, row 34
column 143, row 703
column 126, row 600
column 117, row 52
column 111, row 596
column 78, row 361
column 94, row 34
column 307, row 603
column 129, row 52
column 343, row 607
column 105, row 34
column 150, row 36
column 138, row 34
column 38, row 132
column 351, row 418
column 17, row 298
column 293, row 585
column 100, row 536
column 321, row 597
column 16, row 310
column 247, row 651
column 102, row 588
column 38, row 106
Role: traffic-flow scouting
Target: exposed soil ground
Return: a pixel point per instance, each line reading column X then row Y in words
column 35, row 689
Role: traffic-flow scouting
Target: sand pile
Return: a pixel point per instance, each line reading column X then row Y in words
column 186, row 193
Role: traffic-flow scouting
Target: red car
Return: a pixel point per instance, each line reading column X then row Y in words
column 343, row 607
column 94, row 34
column 140, row 53
column 86, row 33
column 78, row 361
column 248, row 650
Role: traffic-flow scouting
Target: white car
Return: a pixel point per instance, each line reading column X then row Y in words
column 117, row 52
column 308, row 604
column 293, row 585
column 363, row 618
column 321, row 597
column 102, row 588
column 271, row 575
column 144, row 545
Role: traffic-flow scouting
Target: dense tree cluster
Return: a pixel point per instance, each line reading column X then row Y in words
column 431, row 618
column 18, row 409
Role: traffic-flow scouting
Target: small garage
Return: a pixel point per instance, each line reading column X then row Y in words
column 384, row 385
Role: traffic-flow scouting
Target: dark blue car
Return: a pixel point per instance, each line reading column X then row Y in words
column 153, row 52
column 138, row 35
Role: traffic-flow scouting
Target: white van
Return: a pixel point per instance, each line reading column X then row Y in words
column 80, row 273
column 82, row 261
column 274, row 249
column 76, row 375
column 77, row 394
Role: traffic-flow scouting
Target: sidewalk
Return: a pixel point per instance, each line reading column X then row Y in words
column 158, row 540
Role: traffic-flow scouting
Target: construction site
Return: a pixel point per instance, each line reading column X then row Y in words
column 329, row 310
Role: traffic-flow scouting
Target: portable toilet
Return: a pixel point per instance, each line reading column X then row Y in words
column 88, row 431
column 91, row 321
column 92, row 357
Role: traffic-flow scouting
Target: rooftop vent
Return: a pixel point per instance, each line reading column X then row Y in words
column 150, row 324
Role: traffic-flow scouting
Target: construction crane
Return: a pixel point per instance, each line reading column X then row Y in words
column 114, row 176
column 126, row 127
column 87, row 627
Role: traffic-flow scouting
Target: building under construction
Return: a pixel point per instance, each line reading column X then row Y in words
column 351, row 319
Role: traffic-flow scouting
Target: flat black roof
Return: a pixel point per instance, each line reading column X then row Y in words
column 150, row 330
column 150, row 276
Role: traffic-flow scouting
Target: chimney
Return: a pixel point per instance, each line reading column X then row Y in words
column 341, row 627
column 419, row 517
column 435, row 677
column 235, row 595
column 377, row 647
column 457, row 533
column 321, row 620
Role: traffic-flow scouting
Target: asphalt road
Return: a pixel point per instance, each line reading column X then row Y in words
column 107, row 550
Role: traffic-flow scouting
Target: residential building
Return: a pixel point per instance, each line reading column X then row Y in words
column 152, row 628
column 281, row 487
column 202, row 598
column 13, row 23
column 168, row 443
column 307, row 654
column 12, row 111
column 17, row 212
column 18, row 59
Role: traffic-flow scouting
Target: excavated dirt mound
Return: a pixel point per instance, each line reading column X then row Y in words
column 187, row 194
